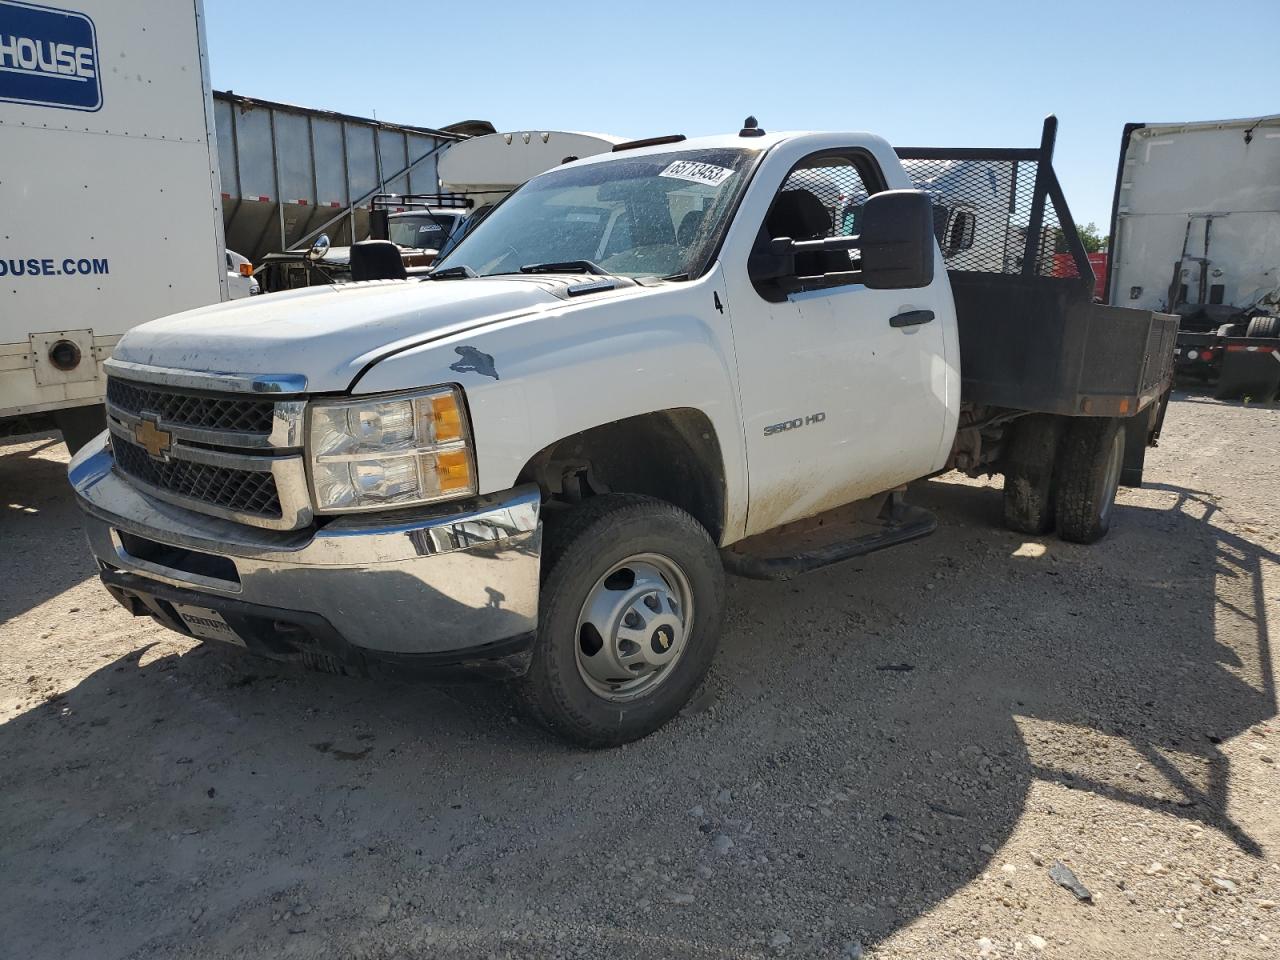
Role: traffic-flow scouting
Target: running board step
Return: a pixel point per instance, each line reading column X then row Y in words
column 789, row 552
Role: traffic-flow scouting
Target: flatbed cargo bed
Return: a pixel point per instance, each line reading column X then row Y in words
column 1031, row 336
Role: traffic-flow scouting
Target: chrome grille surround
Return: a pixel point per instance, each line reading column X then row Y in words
column 229, row 455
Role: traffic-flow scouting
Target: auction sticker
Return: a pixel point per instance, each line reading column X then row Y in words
column 696, row 172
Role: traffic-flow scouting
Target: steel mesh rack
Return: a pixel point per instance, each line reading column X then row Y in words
column 1022, row 225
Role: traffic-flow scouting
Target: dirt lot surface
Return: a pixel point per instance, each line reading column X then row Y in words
column 890, row 760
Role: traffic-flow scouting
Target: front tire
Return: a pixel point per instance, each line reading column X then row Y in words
column 631, row 607
column 1090, row 464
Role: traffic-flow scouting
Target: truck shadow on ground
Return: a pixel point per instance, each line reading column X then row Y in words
column 871, row 735
column 43, row 552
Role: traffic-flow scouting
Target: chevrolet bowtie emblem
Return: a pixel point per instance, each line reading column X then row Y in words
column 152, row 439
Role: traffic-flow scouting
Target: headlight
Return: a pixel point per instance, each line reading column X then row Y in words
column 389, row 451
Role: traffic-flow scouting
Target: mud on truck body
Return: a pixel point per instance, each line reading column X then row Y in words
column 640, row 369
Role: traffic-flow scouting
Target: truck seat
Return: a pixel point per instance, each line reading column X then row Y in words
column 800, row 215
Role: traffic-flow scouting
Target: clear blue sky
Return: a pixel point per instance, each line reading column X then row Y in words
column 920, row 72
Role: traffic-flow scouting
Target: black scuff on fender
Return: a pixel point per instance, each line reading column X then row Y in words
column 473, row 361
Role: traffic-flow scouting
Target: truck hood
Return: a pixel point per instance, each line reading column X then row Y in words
column 330, row 334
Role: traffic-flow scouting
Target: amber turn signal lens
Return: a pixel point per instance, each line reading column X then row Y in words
column 453, row 470
column 446, row 417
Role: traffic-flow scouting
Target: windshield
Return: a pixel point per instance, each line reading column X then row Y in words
column 420, row 230
column 648, row 216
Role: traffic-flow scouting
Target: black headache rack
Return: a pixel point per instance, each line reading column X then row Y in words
column 400, row 202
column 1031, row 337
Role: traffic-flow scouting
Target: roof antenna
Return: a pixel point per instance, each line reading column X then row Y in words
column 751, row 128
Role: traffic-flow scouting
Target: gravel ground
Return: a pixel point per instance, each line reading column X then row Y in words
column 891, row 759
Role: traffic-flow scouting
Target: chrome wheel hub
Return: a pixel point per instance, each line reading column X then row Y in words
column 634, row 626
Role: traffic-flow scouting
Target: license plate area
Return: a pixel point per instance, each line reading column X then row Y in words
column 207, row 624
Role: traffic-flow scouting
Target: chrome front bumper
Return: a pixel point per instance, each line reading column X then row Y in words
column 456, row 578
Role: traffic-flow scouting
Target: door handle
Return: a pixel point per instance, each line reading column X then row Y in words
column 911, row 318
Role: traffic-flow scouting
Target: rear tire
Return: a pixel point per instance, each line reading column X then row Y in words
column 1264, row 327
column 1029, row 474
column 589, row 553
column 1089, row 468
column 1231, row 330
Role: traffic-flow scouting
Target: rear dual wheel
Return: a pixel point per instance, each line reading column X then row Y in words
column 1092, row 457
column 631, row 605
column 1063, row 473
column 1031, row 457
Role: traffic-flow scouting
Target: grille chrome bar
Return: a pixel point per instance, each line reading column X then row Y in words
column 285, row 431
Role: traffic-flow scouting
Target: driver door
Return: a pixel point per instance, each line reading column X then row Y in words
column 839, row 403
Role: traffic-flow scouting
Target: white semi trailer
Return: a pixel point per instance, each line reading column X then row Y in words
column 1196, row 232
column 109, row 192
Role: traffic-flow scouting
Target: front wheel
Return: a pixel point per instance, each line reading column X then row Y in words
column 1089, row 468
column 631, row 606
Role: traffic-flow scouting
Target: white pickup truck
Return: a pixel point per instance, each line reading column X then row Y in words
column 641, row 369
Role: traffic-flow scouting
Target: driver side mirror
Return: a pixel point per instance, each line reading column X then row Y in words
column 895, row 245
column 897, row 240
column 319, row 248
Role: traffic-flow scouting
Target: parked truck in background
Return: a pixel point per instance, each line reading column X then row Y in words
column 485, row 169
column 1196, row 232
column 642, row 368
column 108, row 193
column 475, row 173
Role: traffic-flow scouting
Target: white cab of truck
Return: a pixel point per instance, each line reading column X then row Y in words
column 536, row 463
column 109, row 192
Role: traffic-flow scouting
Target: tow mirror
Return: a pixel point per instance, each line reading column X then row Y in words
column 319, row 248
column 773, row 264
column 894, row 250
column 897, row 240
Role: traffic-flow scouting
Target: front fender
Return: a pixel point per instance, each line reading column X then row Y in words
column 530, row 381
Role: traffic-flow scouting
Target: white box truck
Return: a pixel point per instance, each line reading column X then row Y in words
column 109, row 195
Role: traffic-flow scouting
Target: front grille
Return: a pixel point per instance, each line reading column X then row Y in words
column 243, row 491
column 191, row 409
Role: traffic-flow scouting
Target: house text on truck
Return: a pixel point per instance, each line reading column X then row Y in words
column 112, row 215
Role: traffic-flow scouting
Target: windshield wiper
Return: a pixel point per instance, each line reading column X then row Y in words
column 462, row 272
column 565, row 266
column 676, row 276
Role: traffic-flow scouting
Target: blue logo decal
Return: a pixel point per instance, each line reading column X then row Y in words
column 48, row 57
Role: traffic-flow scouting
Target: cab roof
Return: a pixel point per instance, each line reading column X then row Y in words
column 723, row 141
